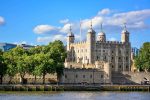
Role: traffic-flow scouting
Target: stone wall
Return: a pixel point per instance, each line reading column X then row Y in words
column 49, row 78
column 79, row 76
column 130, row 77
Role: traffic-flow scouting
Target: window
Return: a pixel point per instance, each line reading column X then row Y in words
column 126, row 58
column 112, row 58
column 119, row 58
column 127, row 67
column 85, row 50
column 119, row 51
column 120, row 66
column 83, row 76
column 86, row 57
column 76, row 76
column 65, row 76
column 90, row 76
column 112, row 66
column 105, row 58
column 70, row 66
column 97, row 57
column 102, row 76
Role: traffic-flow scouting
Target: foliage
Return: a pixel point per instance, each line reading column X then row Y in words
column 37, row 61
column 3, row 67
column 142, row 61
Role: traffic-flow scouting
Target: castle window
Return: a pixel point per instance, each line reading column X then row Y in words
column 112, row 66
column 97, row 57
column 126, row 58
column 85, row 50
column 120, row 51
column 105, row 58
column 90, row 76
column 103, row 50
column 119, row 58
column 112, row 51
column 65, row 76
column 83, row 76
column 120, row 66
column 102, row 76
column 112, row 58
column 76, row 76
column 70, row 66
column 127, row 67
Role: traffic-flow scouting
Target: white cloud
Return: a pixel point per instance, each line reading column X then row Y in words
column 65, row 28
column 136, row 20
column 2, row 21
column 105, row 11
column 64, row 21
column 40, row 29
column 51, row 38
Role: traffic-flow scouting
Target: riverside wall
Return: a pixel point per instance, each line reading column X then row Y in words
column 75, row 88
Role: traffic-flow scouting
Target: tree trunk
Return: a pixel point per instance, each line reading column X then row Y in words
column 1, row 79
column 43, row 78
column 58, row 78
column 146, row 70
column 22, row 81
column 10, row 79
column 35, row 79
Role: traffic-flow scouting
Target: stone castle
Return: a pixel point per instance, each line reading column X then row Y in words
column 94, row 60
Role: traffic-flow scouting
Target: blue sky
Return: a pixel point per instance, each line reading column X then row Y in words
column 41, row 21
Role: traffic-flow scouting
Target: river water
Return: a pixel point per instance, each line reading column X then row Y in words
column 85, row 95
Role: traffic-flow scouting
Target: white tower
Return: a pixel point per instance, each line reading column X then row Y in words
column 91, row 44
column 125, row 35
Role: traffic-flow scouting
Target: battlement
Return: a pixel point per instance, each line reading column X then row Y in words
column 110, row 42
column 82, row 69
column 79, row 43
column 78, row 65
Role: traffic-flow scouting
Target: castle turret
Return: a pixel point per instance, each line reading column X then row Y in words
column 125, row 35
column 91, row 44
column 70, row 39
column 101, row 36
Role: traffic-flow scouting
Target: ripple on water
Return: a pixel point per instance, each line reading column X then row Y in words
column 77, row 95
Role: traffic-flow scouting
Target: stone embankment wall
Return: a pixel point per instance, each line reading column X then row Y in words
column 30, row 79
column 130, row 77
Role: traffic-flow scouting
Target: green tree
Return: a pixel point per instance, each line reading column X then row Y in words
column 3, row 67
column 21, row 60
column 58, row 54
column 45, row 65
column 10, row 61
column 142, row 61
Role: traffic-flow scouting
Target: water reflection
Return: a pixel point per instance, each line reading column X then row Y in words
column 75, row 96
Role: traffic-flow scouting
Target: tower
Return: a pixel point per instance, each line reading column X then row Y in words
column 91, row 44
column 101, row 35
column 125, row 35
column 70, row 39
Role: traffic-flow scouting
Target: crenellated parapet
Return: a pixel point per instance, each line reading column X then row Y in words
column 109, row 42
